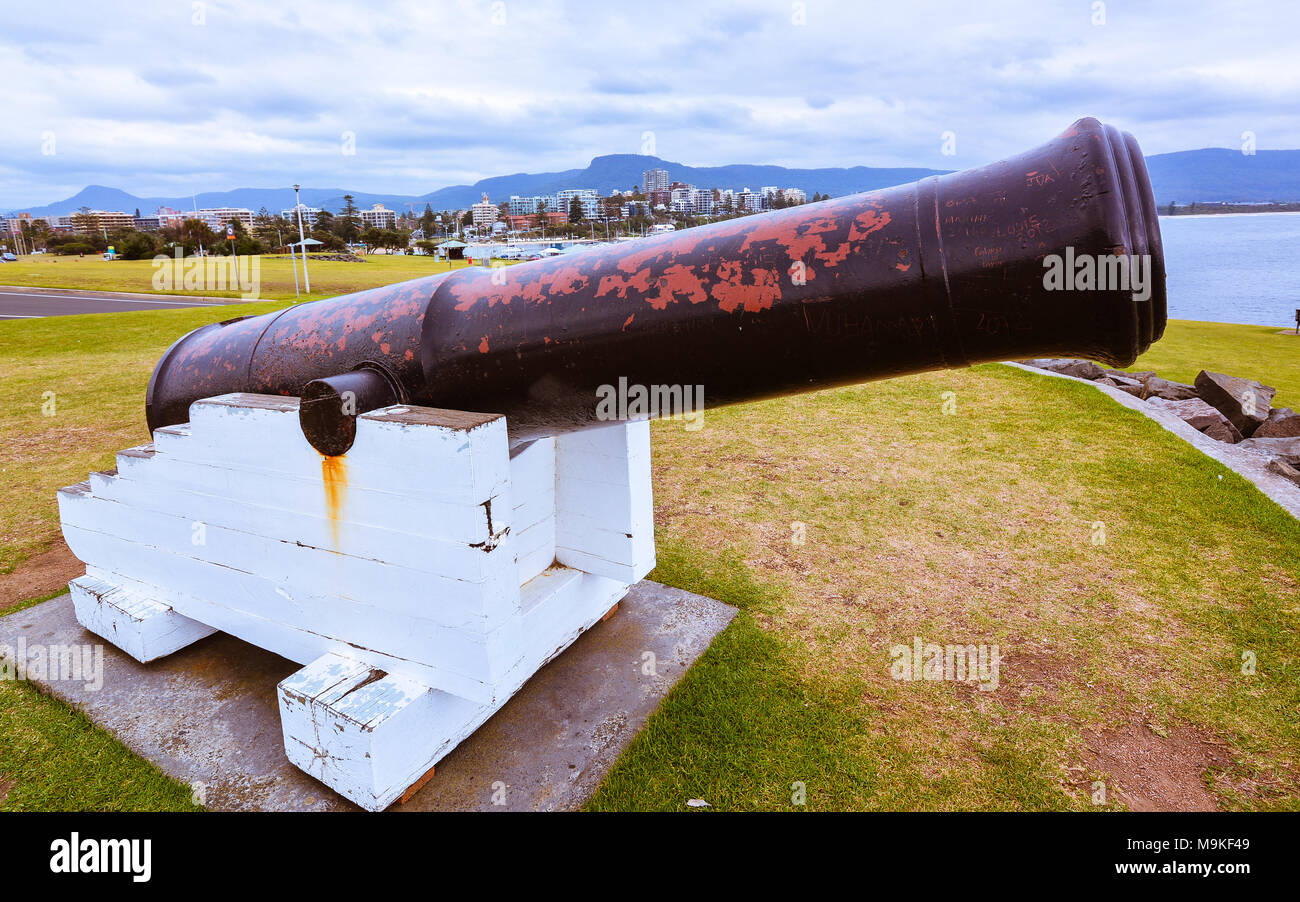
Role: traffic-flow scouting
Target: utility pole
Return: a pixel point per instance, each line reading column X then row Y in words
column 230, row 236
column 293, row 261
column 303, row 239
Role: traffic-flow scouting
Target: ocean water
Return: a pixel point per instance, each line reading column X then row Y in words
column 1233, row 268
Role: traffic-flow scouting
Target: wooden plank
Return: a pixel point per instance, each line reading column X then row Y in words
column 416, row 787
column 140, row 625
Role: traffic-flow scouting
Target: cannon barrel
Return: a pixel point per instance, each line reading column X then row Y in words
column 941, row 273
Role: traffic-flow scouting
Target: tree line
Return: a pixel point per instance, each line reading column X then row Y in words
column 270, row 233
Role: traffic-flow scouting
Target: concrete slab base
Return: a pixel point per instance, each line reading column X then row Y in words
column 207, row 715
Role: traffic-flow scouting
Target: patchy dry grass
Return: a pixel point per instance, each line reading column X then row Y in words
column 72, row 395
column 1121, row 573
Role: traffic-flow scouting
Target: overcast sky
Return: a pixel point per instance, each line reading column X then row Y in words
column 169, row 97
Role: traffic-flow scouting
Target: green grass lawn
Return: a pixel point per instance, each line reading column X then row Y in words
column 976, row 527
column 972, row 528
column 53, row 758
column 1257, row 352
column 328, row 277
column 93, row 369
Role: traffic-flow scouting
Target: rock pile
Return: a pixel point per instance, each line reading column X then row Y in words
column 1227, row 408
column 339, row 257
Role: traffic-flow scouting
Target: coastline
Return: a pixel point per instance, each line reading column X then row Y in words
column 1234, row 213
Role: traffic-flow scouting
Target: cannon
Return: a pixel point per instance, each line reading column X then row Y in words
column 320, row 486
column 941, row 273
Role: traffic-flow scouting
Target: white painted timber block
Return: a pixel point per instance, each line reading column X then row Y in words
column 422, row 578
column 604, row 507
column 143, row 627
column 370, row 735
column 532, row 484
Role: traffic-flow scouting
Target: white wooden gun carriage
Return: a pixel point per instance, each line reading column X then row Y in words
column 421, row 578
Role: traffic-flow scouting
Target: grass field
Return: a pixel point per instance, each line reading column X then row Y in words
column 979, row 527
column 1257, row 352
column 328, row 277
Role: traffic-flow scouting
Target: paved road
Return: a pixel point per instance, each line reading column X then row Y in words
column 18, row 303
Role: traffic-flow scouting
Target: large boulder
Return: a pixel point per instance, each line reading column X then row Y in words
column 1221, row 431
column 1146, row 384
column 1121, row 374
column 1082, row 369
column 1282, row 468
column 1275, row 447
column 1282, row 422
column 1244, row 402
column 1121, row 381
column 1201, row 417
column 1170, row 391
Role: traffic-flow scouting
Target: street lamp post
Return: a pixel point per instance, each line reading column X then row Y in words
column 302, row 239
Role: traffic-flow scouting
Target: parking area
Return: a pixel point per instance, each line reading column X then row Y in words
column 27, row 303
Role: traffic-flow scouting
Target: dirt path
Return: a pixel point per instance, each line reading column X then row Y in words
column 1150, row 772
column 39, row 575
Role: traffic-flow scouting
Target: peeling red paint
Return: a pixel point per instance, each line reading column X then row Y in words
column 761, row 294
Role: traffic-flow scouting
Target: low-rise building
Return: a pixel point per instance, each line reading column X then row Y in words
column 525, row 206
column 379, row 217
column 523, row 223
column 108, row 220
column 692, row 201
column 308, row 214
column 588, row 199
column 217, row 218
column 747, row 201
column 168, row 217
column 14, row 225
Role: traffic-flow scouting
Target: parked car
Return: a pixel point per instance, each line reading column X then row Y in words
column 8, row 258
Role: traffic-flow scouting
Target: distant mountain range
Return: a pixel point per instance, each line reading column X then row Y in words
column 1211, row 175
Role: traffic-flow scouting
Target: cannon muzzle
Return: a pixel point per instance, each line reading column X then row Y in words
column 1053, row 252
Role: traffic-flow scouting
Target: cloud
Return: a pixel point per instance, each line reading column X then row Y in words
column 620, row 85
column 166, row 98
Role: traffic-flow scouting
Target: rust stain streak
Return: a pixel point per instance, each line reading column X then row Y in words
column 334, row 475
